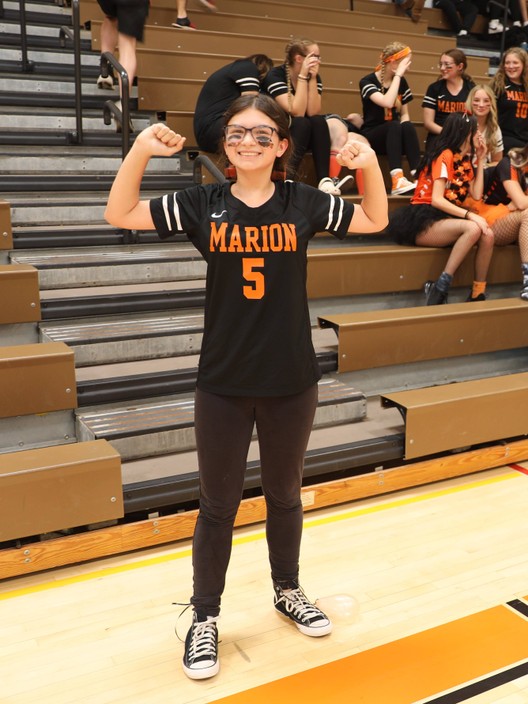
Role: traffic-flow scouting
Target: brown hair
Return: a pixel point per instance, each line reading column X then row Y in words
column 263, row 63
column 458, row 57
column 519, row 156
column 271, row 109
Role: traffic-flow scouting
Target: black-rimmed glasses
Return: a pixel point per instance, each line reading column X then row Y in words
column 262, row 134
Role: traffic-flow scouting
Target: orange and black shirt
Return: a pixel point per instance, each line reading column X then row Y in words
column 257, row 331
column 494, row 191
column 457, row 171
column 512, row 108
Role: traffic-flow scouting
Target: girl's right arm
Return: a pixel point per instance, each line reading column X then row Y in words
column 124, row 208
column 429, row 121
column 389, row 98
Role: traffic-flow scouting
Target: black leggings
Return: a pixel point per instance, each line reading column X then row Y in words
column 310, row 133
column 394, row 139
column 224, row 427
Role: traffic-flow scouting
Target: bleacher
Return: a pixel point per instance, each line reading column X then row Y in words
column 101, row 334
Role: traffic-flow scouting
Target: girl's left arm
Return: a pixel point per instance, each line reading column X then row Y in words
column 372, row 214
column 516, row 193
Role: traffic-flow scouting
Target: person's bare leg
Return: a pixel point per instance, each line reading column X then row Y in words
column 109, row 39
column 127, row 57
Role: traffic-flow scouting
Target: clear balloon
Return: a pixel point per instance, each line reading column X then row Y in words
column 339, row 607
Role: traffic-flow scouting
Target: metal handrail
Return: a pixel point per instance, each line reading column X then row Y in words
column 27, row 66
column 74, row 33
column 110, row 108
column 202, row 161
column 505, row 5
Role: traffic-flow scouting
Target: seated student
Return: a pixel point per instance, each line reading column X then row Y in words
column 297, row 87
column 510, row 85
column 447, row 94
column 437, row 216
column 482, row 104
column 461, row 14
column 385, row 95
column 505, row 199
column 241, row 77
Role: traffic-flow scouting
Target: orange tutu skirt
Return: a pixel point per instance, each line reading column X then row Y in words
column 491, row 213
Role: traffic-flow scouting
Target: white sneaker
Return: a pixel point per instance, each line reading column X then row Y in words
column 463, row 33
column 348, row 180
column 495, row 27
column 105, row 82
column 327, row 185
column 402, row 185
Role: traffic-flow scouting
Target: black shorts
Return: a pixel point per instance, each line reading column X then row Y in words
column 131, row 15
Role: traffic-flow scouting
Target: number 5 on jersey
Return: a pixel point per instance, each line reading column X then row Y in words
column 255, row 278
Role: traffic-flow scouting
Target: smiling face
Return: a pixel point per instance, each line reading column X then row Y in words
column 448, row 67
column 251, row 141
column 513, row 67
column 481, row 104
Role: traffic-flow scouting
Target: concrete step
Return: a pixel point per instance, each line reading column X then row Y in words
column 75, row 161
column 102, row 266
column 67, row 209
column 17, row 119
column 165, row 427
column 116, row 339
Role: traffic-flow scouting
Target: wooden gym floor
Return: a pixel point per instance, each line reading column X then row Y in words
column 434, row 581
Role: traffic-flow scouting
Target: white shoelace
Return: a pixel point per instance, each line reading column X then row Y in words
column 203, row 641
column 297, row 602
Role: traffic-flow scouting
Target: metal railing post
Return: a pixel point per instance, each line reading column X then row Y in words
column 74, row 33
column 27, row 66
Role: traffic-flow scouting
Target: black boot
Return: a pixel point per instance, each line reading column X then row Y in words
column 433, row 296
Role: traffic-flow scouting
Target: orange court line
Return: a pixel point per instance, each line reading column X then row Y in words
column 408, row 670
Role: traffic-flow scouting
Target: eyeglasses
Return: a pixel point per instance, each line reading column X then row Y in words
column 445, row 65
column 262, row 134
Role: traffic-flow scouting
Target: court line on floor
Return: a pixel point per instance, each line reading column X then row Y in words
column 446, row 664
column 253, row 537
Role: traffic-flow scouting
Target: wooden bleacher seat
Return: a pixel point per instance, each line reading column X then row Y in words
column 332, row 50
column 60, row 487
column 378, row 338
column 20, row 295
column 163, row 13
column 454, row 416
column 6, row 232
column 36, row 378
column 395, row 268
column 434, row 18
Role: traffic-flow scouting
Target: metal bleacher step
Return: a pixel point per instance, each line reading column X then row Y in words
column 116, row 339
column 113, row 265
column 168, row 426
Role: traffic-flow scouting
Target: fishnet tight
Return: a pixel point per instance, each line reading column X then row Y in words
column 511, row 228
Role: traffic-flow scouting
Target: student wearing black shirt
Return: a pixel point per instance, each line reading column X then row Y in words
column 240, row 77
column 257, row 364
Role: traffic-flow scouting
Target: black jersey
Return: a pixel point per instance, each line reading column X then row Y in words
column 257, row 337
column 439, row 99
column 494, row 191
column 219, row 91
column 276, row 83
column 373, row 114
column 512, row 108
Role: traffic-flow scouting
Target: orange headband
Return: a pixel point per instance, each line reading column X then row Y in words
column 394, row 57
